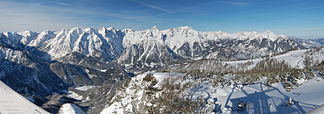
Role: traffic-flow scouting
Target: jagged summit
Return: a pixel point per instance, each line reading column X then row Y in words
column 183, row 29
column 155, row 28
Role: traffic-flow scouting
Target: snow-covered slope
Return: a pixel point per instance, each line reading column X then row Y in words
column 104, row 42
column 69, row 108
column 296, row 58
column 134, row 98
column 13, row 103
column 263, row 99
column 176, row 37
column 258, row 97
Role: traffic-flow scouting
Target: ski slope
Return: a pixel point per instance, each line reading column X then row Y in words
column 13, row 103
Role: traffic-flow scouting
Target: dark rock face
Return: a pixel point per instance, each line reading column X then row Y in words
column 184, row 50
column 97, row 70
column 73, row 75
column 54, row 102
column 152, row 54
column 99, row 96
column 27, row 74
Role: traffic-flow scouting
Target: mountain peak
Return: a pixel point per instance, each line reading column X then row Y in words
column 90, row 30
column 27, row 33
column 111, row 28
column 155, row 28
column 75, row 28
column 185, row 28
column 268, row 32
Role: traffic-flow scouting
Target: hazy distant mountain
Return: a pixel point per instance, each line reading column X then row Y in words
column 311, row 42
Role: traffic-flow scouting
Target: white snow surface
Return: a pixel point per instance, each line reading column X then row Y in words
column 12, row 55
column 258, row 97
column 85, row 88
column 132, row 95
column 102, row 42
column 73, row 95
column 13, row 103
column 69, row 108
column 263, row 99
column 294, row 58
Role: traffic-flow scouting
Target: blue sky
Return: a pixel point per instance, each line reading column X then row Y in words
column 298, row 18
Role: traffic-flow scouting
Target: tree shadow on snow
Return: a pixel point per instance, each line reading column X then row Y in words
column 259, row 102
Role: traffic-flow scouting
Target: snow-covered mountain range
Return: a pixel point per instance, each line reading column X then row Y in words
column 30, row 70
column 153, row 47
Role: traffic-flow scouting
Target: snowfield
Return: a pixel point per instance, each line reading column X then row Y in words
column 13, row 103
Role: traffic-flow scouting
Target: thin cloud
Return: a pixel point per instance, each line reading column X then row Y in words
column 17, row 16
column 240, row 4
column 152, row 6
column 192, row 7
column 124, row 15
column 61, row 3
